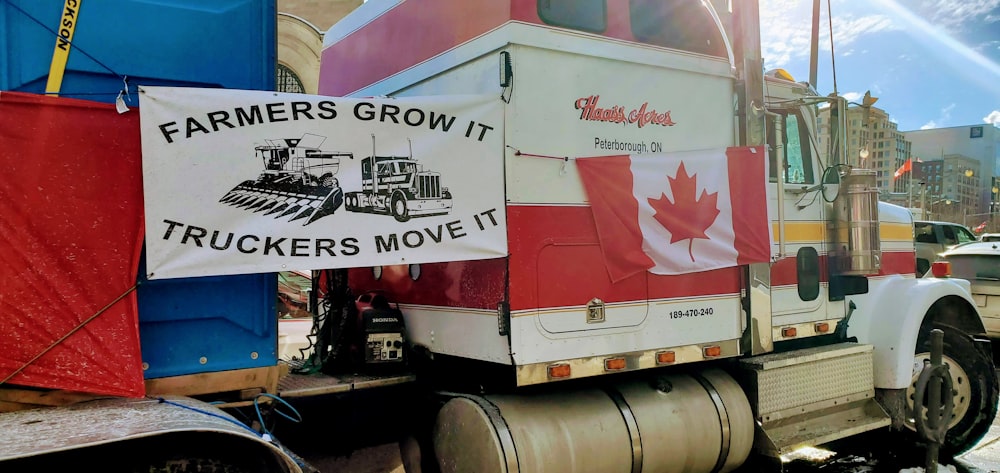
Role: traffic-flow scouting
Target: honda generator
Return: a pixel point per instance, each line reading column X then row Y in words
column 381, row 330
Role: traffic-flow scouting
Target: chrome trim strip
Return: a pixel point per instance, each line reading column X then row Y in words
column 537, row 373
column 803, row 329
column 759, row 337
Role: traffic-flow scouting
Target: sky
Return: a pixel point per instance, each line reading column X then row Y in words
column 931, row 63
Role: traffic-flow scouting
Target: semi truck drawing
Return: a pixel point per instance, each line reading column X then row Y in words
column 297, row 180
column 398, row 186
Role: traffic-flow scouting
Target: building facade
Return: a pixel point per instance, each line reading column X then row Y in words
column 301, row 24
column 978, row 142
column 878, row 137
column 950, row 187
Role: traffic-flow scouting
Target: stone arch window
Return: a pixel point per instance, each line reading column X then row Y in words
column 288, row 81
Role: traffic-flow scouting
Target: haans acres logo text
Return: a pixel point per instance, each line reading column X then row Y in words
column 642, row 116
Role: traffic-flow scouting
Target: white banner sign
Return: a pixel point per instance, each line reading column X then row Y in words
column 239, row 181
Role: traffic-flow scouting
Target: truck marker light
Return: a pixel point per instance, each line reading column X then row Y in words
column 941, row 269
column 614, row 364
column 789, row 332
column 822, row 327
column 665, row 357
column 561, row 370
column 781, row 74
column 712, row 351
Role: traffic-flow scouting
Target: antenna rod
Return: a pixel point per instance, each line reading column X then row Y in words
column 833, row 60
column 814, row 45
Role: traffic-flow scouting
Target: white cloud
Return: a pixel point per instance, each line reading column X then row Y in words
column 848, row 28
column 853, row 96
column 985, row 47
column 993, row 118
column 785, row 30
column 942, row 119
column 953, row 14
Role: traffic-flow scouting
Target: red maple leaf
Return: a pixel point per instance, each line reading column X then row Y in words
column 686, row 217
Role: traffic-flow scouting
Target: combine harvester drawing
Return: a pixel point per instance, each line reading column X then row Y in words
column 298, row 180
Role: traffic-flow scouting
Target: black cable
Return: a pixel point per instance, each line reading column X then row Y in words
column 50, row 30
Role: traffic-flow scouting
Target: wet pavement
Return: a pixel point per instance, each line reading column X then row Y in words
column 985, row 456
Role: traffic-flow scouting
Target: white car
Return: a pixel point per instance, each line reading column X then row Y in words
column 989, row 237
column 979, row 263
column 931, row 238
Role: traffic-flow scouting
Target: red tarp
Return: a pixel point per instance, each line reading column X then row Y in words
column 70, row 239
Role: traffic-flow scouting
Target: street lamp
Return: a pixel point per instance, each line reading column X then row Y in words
column 866, row 105
column 946, row 201
column 923, row 199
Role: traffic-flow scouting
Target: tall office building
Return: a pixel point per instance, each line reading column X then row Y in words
column 978, row 142
column 887, row 148
column 952, row 187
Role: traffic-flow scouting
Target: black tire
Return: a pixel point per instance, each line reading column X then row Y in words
column 398, row 207
column 974, row 389
column 351, row 202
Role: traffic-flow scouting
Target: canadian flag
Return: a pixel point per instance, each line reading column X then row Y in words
column 905, row 168
column 680, row 212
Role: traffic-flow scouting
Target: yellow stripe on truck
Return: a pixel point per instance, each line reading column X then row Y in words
column 67, row 25
column 801, row 232
column 814, row 232
column 896, row 231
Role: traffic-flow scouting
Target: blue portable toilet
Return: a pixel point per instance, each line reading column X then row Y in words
column 195, row 43
column 188, row 325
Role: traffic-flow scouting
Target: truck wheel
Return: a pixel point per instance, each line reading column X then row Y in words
column 399, row 209
column 974, row 389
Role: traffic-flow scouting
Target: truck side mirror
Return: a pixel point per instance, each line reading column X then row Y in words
column 830, row 183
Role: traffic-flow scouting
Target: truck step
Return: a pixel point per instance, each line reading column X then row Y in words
column 316, row 384
column 812, row 396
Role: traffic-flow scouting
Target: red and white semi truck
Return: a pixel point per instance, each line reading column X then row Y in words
column 553, row 359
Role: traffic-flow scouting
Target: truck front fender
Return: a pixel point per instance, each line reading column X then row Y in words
column 892, row 315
